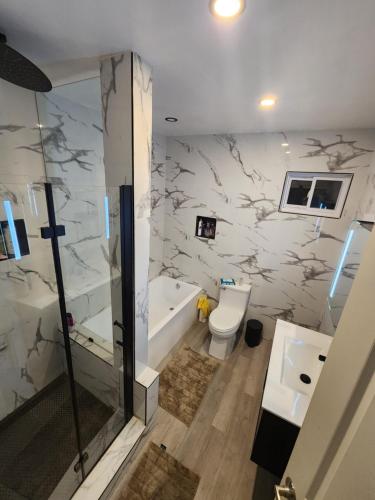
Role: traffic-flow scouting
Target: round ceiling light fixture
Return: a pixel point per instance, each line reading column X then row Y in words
column 171, row 119
column 227, row 9
column 267, row 102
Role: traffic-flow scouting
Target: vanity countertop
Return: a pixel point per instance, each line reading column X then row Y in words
column 295, row 351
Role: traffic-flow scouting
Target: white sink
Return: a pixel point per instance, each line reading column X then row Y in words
column 293, row 370
column 299, row 358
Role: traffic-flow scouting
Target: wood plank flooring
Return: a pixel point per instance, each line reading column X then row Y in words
column 217, row 445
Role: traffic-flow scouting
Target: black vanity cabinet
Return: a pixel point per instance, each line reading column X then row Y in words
column 274, row 442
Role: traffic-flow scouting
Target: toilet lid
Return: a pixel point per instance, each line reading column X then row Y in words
column 223, row 319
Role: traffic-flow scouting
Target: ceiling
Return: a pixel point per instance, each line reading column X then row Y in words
column 316, row 56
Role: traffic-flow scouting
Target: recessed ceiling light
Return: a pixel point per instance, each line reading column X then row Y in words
column 227, row 8
column 171, row 119
column 267, row 102
column 287, row 152
column 285, row 144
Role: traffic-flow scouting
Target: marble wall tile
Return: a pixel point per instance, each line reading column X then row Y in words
column 21, row 158
column 146, row 394
column 95, row 375
column 367, row 204
column 288, row 258
column 158, row 177
column 72, row 136
column 127, row 117
column 29, row 359
column 142, row 137
column 115, row 77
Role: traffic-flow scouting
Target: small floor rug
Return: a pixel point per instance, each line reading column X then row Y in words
column 184, row 382
column 159, row 476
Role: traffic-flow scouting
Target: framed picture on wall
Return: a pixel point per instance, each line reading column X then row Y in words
column 205, row 227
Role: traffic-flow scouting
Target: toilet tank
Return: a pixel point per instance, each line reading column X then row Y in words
column 235, row 296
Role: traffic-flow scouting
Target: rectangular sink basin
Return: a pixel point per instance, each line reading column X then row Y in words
column 301, row 365
column 293, row 370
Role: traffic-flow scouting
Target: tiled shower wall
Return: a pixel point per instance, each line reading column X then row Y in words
column 288, row 259
column 73, row 147
column 29, row 357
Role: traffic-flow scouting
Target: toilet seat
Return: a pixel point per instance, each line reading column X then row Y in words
column 224, row 321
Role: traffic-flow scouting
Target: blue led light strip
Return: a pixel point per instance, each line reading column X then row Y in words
column 106, row 212
column 341, row 263
column 12, row 229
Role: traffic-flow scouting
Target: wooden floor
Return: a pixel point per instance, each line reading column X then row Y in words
column 217, row 445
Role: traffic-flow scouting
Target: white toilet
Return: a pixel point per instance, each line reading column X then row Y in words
column 225, row 320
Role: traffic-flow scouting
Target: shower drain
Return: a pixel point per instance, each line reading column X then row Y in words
column 305, row 378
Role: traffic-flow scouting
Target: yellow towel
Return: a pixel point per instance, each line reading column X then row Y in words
column 203, row 305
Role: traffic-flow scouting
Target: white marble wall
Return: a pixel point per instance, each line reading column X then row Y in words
column 238, row 179
column 142, row 145
column 158, row 177
column 127, row 116
column 115, row 76
column 29, row 359
column 73, row 148
column 351, row 263
column 367, row 203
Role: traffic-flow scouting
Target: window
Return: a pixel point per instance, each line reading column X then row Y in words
column 319, row 194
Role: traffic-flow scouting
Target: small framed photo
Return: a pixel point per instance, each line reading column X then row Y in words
column 205, row 227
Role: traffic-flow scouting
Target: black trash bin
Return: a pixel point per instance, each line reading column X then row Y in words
column 253, row 334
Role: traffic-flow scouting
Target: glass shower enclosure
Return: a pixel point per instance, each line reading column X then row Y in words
column 66, row 278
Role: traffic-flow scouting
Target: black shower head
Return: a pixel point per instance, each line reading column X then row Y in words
column 15, row 68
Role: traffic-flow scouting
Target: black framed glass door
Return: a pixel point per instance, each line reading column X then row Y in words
column 66, row 359
column 38, row 432
column 88, row 239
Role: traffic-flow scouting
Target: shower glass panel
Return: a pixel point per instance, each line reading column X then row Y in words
column 90, row 262
column 70, row 118
column 37, row 429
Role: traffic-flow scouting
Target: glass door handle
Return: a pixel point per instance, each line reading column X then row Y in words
column 120, row 325
column 285, row 491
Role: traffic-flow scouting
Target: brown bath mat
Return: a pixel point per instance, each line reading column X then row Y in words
column 159, row 476
column 184, row 382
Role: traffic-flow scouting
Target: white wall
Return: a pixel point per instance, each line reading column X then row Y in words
column 158, row 178
column 127, row 110
column 289, row 259
column 73, row 147
column 28, row 296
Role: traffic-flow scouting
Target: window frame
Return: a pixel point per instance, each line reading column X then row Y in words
column 344, row 177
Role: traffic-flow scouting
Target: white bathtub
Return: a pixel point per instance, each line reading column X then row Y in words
column 172, row 311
